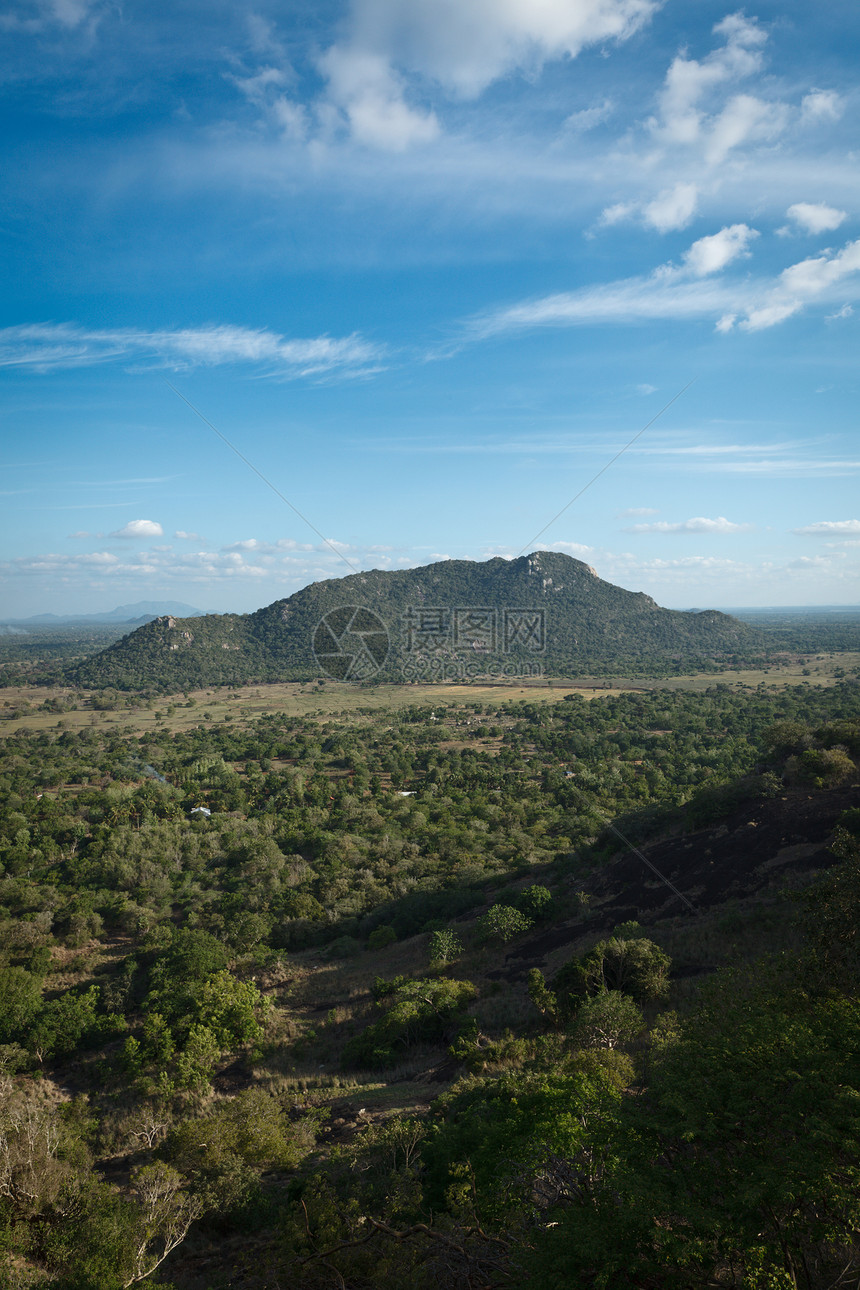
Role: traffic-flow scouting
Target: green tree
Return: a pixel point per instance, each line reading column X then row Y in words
column 20, row 1001
column 501, row 923
column 444, row 947
column 502, row 1147
column 607, row 1020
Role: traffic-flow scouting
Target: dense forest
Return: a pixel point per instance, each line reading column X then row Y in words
column 337, row 1001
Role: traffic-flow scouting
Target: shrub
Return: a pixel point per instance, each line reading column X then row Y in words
column 422, row 1011
column 536, row 903
column 345, row 947
column 381, row 936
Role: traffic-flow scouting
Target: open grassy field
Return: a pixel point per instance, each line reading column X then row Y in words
column 21, row 707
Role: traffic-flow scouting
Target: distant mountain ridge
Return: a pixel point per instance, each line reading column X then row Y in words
column 545, row 613
column 141, row 611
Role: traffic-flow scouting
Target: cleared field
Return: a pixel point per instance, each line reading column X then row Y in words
column 323, row 700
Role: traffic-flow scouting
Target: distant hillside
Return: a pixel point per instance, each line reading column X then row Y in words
column 458, row 620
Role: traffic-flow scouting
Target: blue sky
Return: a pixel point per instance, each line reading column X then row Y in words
column 429, row 265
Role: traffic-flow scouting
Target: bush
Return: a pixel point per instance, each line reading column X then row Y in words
column 381, row 936
column 536, row 903
column 345, row 947
column 422, row 1011
column 821, row 768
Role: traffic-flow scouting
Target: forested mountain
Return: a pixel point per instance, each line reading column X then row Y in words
column 457, row 620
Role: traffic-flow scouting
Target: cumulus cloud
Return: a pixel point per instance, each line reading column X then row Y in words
column 801, row 283
column 821, row 105
column 816, row 217
column 672, row 209
column 44, row 346
column 830, row 528
column 710, row 254
column 372, row 96
column 139, row 529
column 273, row 548
column 705, row 116
column 187, row 537
column 744, row 119
column 682, row 117
column 461, row 46
column 465, row 45
column 699, row 524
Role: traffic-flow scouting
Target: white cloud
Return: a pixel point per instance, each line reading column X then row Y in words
column 460, row 45
column 62, row 13
column 845, row 312
column 699, row 524
column 633, row 511
column 743, row 119
column 673, row 208
column 465, row 45
column 69, row 13
column 44, row 346
column 710, row 254
column 681, row 118
column 271, row 548
column 667, row 293
column 568, row 548
column 139, row 529
column 56, row 562
column 821, row 105
column 830, row 528
column 801, row 283
column 589, row 118
column 188, row 537
column 815, row 217
column 371, row 94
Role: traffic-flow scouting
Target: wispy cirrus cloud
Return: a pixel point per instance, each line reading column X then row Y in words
column 691, row 291
column 47, row 346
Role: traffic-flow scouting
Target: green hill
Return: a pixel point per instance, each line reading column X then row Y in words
column 543, row 614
